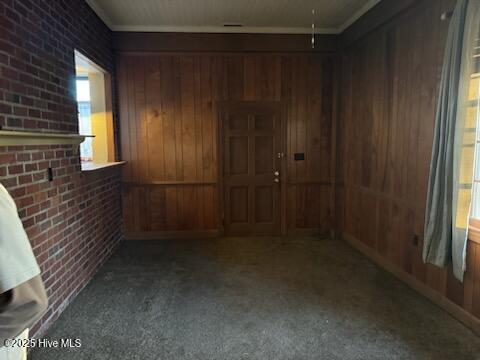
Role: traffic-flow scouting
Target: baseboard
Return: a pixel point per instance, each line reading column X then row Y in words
column 310, row 232
column 205, row 234
column 453, row 309
column 162, row 235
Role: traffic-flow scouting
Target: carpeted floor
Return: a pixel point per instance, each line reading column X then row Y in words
column 253, row 298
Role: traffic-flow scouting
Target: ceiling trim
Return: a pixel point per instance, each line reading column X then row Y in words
column 221, row 29
column 362, row 11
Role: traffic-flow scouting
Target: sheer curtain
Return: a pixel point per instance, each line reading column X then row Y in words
column 451, row 170
column 465, row 133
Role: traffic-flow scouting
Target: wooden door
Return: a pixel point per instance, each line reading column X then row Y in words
column 252, row 167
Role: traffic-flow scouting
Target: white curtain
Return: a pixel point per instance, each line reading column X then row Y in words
column 465, row 133
column 451, row 171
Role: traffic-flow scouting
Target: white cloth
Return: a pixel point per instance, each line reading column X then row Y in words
column 17, row 262
column 15, row 353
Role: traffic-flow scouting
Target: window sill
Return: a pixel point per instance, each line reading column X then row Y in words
column 474, row 231
column 89, row 166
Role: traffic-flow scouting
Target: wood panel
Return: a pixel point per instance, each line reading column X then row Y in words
column 169, row 105
column 222, row 42
column 381, row 13
column 387, row 106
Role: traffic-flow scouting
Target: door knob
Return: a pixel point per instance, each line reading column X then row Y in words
column 277, row 180
column 276, row 173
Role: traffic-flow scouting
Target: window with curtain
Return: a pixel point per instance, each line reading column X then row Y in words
column 476, row 185
column 453, row 192
column 465, row 171
column 475, row 213
column 471, row 144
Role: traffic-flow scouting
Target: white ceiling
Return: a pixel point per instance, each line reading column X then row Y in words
column 256, row 16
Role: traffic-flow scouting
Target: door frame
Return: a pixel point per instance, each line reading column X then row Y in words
column 222, row 106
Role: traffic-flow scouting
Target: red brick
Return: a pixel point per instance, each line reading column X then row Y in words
column 32, row 210
column 25, row 201
column 15, row 169
column 5, row 109
column 32, row 188
column 41, row 217
column 42, row 100
column 7, row 158
column 43, row 165
column 23, row 157
column 31, row 167
column 28, row 223
column 18, row 192
column 37, row 156
column 24, row 179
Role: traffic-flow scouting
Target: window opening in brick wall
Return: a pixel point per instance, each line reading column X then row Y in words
column 94, row 103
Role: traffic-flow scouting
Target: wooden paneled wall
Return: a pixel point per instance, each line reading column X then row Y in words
column 168, row 112
column 387, row 100
column 126, row 41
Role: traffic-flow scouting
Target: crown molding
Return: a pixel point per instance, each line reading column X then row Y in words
column 101, row 14
column 221, row 29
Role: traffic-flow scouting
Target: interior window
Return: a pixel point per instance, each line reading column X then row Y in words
column 472, row 142
column 93, row 86
column 475, row 125
column 84, row 117
column 476, row 186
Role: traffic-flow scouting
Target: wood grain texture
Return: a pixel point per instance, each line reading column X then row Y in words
column 218, row 42
column 388, row 96
column 381, row 13
column 169, row 110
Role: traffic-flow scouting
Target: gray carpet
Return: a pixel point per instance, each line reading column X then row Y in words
column 253, row 298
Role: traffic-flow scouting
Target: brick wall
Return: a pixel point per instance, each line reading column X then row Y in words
column 74, row 221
